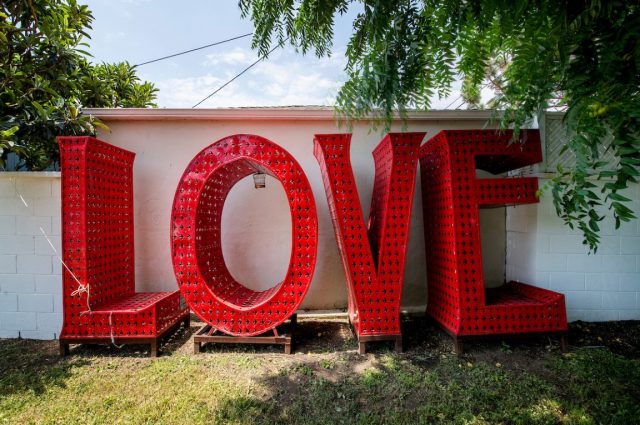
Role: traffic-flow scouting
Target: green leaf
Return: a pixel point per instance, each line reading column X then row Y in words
column 617, row 197
column 48, row 79
column 5, row 134
column 39, row 109
column 100, row 125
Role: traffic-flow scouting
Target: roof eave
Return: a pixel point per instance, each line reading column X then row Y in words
column 278, row 114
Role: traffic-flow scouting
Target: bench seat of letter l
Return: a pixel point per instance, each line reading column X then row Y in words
column 100, row 304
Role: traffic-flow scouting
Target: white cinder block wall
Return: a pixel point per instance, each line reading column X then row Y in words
column 598, row 287
column 30, row 282
column 543, row 251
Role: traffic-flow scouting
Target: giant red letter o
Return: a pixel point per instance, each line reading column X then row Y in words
column 204, row 280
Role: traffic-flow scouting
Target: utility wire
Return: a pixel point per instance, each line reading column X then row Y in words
column 193, row 50
column 237, row 75
column 454, row 101
column 460, row 96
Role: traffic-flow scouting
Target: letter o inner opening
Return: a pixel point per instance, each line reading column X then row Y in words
column 256, row 233
column 255, row 254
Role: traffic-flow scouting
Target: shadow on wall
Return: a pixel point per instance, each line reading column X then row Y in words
column 493, row 238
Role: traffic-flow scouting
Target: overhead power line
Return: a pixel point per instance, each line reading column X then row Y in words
column 460, row 97
column 454, row 101
column 193, row 50
column 237, row 75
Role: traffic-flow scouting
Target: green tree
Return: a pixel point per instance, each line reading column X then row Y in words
column 582, row 56
column 115, row 86
column 45, row 79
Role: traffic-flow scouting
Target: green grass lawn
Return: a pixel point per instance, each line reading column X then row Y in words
column 325, row 382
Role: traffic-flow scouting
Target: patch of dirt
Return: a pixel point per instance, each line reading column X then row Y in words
column 285, row 390
column 327, row 336
column 621, row 337
column 426, row 343
column 28, row 353
column 329, row 348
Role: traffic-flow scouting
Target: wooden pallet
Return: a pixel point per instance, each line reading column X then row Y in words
column 281, row 336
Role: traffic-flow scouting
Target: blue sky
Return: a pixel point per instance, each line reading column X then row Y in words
column 142, row 30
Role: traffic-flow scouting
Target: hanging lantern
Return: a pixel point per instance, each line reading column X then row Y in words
column 259, row 180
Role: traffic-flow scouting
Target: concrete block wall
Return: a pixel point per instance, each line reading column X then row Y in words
column 30, row 288
column 542, row 251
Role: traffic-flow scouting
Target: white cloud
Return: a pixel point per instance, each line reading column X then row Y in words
column 237, row 56
column 284, row 79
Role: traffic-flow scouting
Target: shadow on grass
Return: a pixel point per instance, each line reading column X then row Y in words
column 523, row 382
column 395, row 390
column 26, row 368
column 30, row 366
column 326, row 381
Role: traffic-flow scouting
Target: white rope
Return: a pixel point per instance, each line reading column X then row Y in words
column 113, row 340
column 15, row 187
column 82, row 288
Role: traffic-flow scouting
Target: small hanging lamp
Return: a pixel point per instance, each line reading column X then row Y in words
column 259, row 180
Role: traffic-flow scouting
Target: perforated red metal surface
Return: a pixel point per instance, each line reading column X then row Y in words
column 373, row 256
column 206, row 283
column 451, row 196
column 99, row 298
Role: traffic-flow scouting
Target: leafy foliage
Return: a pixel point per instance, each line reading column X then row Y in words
column 115, row 86
column 45, row 79
column 580, row 56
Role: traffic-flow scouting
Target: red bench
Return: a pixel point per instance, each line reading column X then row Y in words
column 100, row 304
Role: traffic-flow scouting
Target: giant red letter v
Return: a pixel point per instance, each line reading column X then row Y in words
column 373, row 255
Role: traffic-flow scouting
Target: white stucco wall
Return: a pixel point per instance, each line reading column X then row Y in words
column 256, row 223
